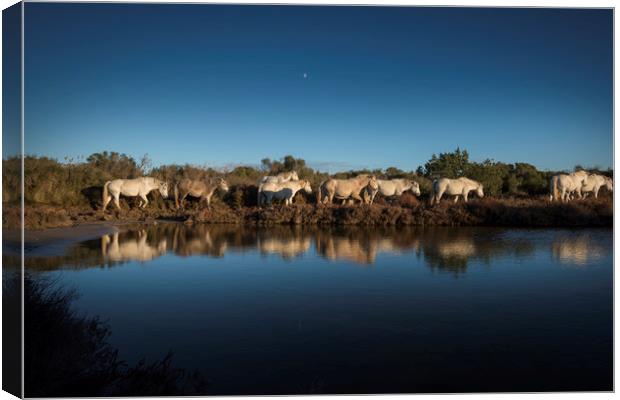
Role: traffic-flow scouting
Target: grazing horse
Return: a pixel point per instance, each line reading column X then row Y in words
column 454, row 187
column 562, row 185
column 392, row 187
column 343, row 189
column 594, row 182
column 282, row 191
column 203, row 190
column 280, row 178
column 132, row 187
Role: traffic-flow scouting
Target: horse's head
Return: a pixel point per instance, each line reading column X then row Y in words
column 294, row 176
column 609, row 184
column 415, row 188
column 222, row 184
column 372, row 182
column 163, row 189
column 305, row 185
column 479, row 191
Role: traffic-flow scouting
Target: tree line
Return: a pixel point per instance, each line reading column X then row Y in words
column 48, row 181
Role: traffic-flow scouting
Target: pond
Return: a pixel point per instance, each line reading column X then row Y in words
column 349, row 310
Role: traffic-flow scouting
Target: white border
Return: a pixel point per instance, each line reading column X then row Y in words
column 480, row 3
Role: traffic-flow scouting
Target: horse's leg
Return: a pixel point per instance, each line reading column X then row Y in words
column 465, row 196
column 579, row 196
column 356, row 196
column 438, row 196
column 146, row 201
column 106, row 202
column 208, row 200
column 117, row 201
column 182, row 201
column 596, row 192
column 456, row 198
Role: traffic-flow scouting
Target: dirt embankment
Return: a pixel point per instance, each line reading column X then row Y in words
column 483, row 212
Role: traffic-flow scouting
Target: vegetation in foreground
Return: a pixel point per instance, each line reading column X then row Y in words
column 68, row 355
column 64, row 194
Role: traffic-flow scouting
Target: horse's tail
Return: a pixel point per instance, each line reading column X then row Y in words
column 433, row 191
column 553, row 188
column 258, row 193
column 105, row 194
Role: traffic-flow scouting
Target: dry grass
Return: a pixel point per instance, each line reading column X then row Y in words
column 406, row 211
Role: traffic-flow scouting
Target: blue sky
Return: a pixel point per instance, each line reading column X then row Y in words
column 384, row 87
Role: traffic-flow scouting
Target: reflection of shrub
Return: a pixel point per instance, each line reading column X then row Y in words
column 68, row 355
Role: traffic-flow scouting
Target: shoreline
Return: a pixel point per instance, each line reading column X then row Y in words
column 508, row 212
column 50, row 242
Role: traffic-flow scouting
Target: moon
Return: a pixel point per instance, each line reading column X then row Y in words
column 305, row 75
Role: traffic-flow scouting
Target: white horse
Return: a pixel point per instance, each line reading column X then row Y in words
column 454, row 187
column 282, row 191
column 132, row 187
column 392, row 187
column 562, row 186
column 280, row 178
column 594, row 182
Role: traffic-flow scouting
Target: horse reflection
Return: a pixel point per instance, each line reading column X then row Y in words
column 452, row 250
column 358, row 249
column 286, row 248
column 197, row 241
column 361, row 246
column 131, row 248
column 578, row 250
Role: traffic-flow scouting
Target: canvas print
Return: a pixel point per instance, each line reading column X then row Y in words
column 210, row 199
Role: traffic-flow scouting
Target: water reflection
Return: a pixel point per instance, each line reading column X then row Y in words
column 288, row 243
column 134, row 247
column 443, row 249
column 577, row 249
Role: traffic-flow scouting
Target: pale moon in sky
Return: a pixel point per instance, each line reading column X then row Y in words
column 305, row 75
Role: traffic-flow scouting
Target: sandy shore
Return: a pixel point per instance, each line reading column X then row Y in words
column 53, row 241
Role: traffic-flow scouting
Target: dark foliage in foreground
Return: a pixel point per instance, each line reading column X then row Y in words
column 68, row 355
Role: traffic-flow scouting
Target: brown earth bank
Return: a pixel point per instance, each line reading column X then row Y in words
column 407, row 211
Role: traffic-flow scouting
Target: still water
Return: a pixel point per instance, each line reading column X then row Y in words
column 293, row 310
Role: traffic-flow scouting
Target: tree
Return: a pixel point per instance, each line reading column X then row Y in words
column 265, row 164
column 490, row 173
column 447, row 165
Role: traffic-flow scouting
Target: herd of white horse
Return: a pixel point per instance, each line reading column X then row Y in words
column 362, row 188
